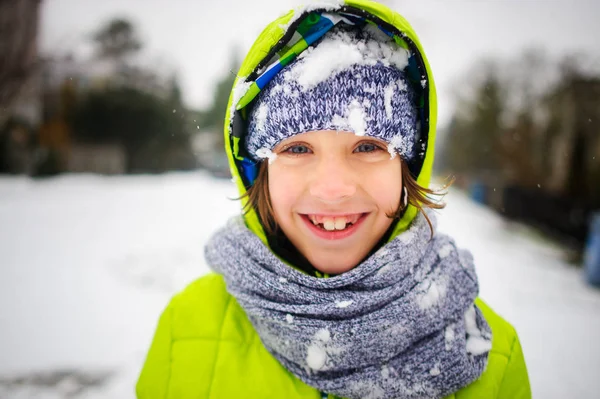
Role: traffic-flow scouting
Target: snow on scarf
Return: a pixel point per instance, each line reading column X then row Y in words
column 402, row 324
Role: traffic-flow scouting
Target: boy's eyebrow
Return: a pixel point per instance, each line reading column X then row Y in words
column 370, row 138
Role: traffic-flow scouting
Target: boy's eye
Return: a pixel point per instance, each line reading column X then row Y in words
column 367, row 147
column 297, row 149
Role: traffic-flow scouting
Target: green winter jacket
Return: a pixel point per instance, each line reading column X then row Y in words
column 205, row 347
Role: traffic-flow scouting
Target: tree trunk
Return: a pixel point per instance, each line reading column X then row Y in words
column 18, row 46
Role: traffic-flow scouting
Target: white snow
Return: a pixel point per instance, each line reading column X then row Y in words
column 283, row 280
column 401, row 85
column 88, row 263
column 343, row 304
column 357, row 118
column 471, row 322
column 431, row 293
column 376, row 33
column 435, row 371
column 445, row 251
column 322, row 62
column 449, row 336
column 265, row 153
column 337, row 52
column 239, row 90
column 316, row 354
column 316, row 357
column 323, row 335
column 261, row 116
column 399, row 145
column 476, row 343
column 388, row 94
column 327, row 5
column 289, row 318
column 339, row 122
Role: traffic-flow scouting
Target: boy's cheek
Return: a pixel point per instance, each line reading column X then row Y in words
column 284, row 181
column 284, row 193
column 385, row 186
column 280, row 201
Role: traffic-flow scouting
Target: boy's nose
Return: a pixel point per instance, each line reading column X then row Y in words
column 333, row 181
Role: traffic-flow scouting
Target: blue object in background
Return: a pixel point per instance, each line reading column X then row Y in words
column 592, row 253
column 477, row 190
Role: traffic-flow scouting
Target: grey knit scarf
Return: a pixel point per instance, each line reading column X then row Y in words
column 402, row 324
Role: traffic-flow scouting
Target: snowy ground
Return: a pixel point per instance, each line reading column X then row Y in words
column 87, row 263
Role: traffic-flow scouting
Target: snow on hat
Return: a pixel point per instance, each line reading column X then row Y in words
column 349, row 81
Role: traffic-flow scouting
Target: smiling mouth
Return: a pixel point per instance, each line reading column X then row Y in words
column 334, row 223
column 333, row 227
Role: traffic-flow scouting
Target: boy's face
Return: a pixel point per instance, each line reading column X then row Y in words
column 331, row 193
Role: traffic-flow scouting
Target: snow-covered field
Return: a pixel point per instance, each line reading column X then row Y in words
column 87, row 263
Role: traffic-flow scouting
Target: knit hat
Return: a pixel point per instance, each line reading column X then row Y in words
column 351, row 81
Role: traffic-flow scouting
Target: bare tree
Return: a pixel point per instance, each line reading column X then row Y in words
column 18, row 48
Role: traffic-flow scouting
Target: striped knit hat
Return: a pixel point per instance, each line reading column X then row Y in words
column 349, row 81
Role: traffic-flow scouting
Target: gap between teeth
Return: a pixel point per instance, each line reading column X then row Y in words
column 332, row 224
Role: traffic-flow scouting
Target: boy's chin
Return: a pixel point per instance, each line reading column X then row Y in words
column 334, row 264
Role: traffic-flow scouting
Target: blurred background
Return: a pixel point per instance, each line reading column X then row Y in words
column 113, row 174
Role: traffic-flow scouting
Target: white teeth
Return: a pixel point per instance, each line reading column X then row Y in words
column 329, row 224
column 332, row 223
column 340, row 223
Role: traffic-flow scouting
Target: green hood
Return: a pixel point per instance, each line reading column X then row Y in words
column 277, row 44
